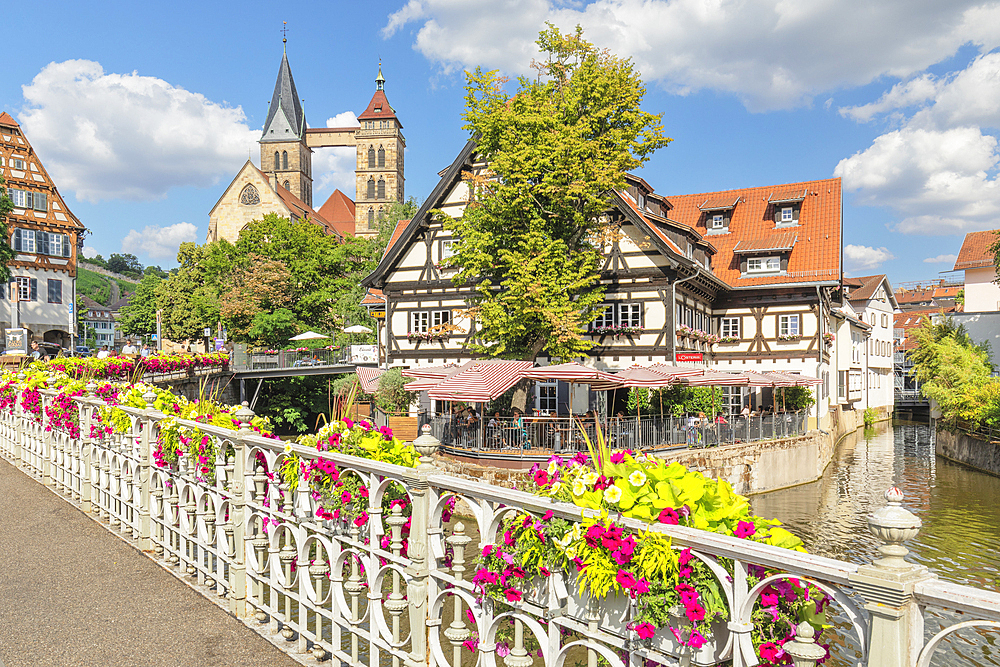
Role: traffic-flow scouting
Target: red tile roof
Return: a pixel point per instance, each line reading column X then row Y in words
column 949, row 292
column 338, row 210
column 396, row 234
column 5, row 119
column 783, row 240
column 788, row 194
column 373, row 297
column 866, row 286
column 915, row 295
column 299, row 207
column 719, row 203
column 909, row 319
column 975, row 252
column 816, row 256
column 385, row 111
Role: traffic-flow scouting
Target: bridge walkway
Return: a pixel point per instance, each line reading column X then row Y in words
column 71, row 593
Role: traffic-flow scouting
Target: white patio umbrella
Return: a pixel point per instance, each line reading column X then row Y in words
column 309, row 335
column 357, row 328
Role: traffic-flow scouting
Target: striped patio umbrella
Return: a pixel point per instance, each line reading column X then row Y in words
column 432, row 377
column 767, row 379
column 575, row 373
column 480, row 381
column 716, row 379
column 431, row 371
column 672, row 371
column 369, row 378
column 647, row 378
column 799, row 379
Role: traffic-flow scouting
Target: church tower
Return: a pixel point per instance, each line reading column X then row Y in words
column 284, row 155
column 379, row 172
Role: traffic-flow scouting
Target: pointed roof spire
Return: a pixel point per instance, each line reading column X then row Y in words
column 285, row 118
column 379, row 80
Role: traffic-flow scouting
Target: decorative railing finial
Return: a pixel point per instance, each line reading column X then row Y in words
column 244, row 415
column 426, row 445
column 149, row 398
column 804, row 650
column 893, row 525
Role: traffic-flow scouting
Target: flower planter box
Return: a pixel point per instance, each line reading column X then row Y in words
column 614, row 616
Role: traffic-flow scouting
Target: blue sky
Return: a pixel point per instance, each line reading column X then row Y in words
column 143, row 115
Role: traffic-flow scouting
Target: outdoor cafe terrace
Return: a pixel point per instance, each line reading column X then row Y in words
column 517, row 436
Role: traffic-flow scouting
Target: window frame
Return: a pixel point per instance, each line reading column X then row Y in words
column 420, row 321
column 731, row 324
column 718, row 221
column 768, row 264
column 57, row 283
column 785, row 324
column 605, row 318
column 632, row 312
column 790, row 212
column 23, row 288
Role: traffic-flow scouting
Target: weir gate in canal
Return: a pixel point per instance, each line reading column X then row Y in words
column 393, row 587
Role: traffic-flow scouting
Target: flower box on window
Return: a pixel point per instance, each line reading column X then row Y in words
column 425, row 336
column 788, row 337
column 828, row 338
column 615, row 330
column 728, row 339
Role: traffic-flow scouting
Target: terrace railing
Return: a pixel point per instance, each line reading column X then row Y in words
column 351, row 592
column 545, row 435
column 244, row 360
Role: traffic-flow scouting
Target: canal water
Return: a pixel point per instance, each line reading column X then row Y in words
column 959, row 507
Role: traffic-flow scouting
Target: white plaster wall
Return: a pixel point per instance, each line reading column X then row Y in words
column 981, row 293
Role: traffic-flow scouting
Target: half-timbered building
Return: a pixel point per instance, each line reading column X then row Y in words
column 45, row 235
column 742, row 279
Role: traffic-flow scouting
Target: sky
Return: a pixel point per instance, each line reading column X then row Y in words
column 143, row 115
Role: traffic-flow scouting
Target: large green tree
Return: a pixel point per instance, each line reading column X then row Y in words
column 6, row 252
column 948, row 364
column 139, row 316
column 189, row 298
column 556, row 147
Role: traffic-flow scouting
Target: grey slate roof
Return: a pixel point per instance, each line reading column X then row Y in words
column 285, row 99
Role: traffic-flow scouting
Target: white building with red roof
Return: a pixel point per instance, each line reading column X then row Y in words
column 982, row 294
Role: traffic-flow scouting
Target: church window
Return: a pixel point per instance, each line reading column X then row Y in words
column 371, row 218
column 381, row 156
column 371, row 188
column 371, row 157
column 249, row 196
column 277, row 160
column 287, row 185
column 381, row 189
column 284, row 159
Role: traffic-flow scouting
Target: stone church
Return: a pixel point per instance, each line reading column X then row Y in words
column 284, row 182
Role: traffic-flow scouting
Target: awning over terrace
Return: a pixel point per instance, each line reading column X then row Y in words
column 479, row 381
column 575, row 373
column 799, row 380
column 638, row 376
column 716, row 379
column 369, row 378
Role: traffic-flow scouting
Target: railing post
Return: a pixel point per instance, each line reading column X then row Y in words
column 48, row 451
column 145, row 454
column 86, row 445
column 417, row 572
column 896, row 630
column 237, row 516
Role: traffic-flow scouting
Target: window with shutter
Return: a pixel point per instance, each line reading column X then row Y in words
column 67, row 250
column 34, row 289
column 55, row 291
column 381, row 157
column 371, row 188
column 381, row 189
column 40, row 201
column 23, row 288
column 16, row 240
column 43, row 243
column 371, row 158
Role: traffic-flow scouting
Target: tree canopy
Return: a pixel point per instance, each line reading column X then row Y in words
column 139, row 316
column 556, row 147
column 281, row 277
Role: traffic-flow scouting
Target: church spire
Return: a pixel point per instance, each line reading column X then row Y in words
column 379, row 80
column 285, row 118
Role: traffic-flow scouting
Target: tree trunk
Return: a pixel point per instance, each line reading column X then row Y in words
column 520, row 399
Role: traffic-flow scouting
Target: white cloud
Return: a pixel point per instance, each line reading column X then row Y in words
column 343, row 119
column 89, row 252
column 770, row 53
column 333, row 168
column 159, row 242
column 938, row 171
column 125, row 136
column 941, row 259
column 865, row 258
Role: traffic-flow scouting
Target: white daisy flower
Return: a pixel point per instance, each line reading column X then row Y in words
column 612, row 494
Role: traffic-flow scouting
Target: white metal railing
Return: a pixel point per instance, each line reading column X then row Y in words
column 351, row 592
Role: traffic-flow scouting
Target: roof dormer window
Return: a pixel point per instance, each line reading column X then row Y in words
column 763, row 264
column 718, row 221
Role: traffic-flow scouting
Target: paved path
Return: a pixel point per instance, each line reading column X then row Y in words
column 73, row 595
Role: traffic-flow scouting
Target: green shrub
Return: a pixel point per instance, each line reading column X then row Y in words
column 391, row 395
column 870, row 416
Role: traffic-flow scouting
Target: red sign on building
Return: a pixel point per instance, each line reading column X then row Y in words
column 689, row 356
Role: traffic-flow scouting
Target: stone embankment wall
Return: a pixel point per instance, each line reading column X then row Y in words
column 753, row 467
column 968, row 450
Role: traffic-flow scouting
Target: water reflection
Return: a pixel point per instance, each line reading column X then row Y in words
column 959, row 507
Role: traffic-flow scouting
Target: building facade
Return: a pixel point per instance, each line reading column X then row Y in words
column 872, row 299
column 45, row 236
column 982, row 293
column 736, row 280
column 286, row 148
